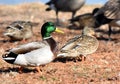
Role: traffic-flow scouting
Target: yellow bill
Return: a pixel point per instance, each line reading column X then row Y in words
column 58, row 30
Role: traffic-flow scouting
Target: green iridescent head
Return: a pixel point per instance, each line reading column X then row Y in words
column 47, row 29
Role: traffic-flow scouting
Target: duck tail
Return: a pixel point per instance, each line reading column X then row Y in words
column 10, row 57
column 61, row 55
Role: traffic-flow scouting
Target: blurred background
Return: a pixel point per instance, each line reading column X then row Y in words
column 12, row 2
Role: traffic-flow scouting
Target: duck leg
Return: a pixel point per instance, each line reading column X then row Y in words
column 78, row 58
column 20, row 69
column 75, row 59
column 83, row 58
column 109, row 33
column 57, row 17
column 73, row 14
column 38, row 69
column 23, row 40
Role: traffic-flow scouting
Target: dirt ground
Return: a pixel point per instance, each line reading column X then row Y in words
column 101, row 67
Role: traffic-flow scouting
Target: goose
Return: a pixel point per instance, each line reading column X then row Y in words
column 111, row 10
column 65, row 6
column 80, row 46
column 35, row 54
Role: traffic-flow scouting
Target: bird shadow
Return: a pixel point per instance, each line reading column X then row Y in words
column 64, row 60
column 15, row 69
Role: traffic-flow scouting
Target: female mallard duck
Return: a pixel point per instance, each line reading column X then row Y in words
column 19, row 30
column 107, row 14
column 65, row 6
column 35, row 53
column 86, row 19
column 80, row 45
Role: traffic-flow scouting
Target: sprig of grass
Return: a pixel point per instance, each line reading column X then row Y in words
column 43, row 78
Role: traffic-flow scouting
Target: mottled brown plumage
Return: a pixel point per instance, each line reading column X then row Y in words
column 86, row 19
column 109, row 14
column 80, row 45
column 19, row 30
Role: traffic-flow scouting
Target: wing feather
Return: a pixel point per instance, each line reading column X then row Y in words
column 27, row 47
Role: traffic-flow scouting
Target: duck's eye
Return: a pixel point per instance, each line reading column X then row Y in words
column 53, row 25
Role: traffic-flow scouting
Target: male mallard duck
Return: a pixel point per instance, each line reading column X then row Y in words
column 111, row 10
column 65, row 6
column 35, row 53
column 19, row 30
column 80, row 45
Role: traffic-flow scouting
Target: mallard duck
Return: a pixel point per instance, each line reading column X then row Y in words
column 111, row 10
column 35, row 53
column 65, row 6
column 80, row 46
column 86, row 19
column 107, row 14
column 19, row 30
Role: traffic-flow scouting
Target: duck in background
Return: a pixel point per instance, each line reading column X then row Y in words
column 35, row 53
column 19, row 30
column 65, row 6
column 107, row 14
column 80, row 46
column 89, row 20
column 86, row 19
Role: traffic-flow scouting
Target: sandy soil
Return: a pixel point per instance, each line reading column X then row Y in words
column 101, row 67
